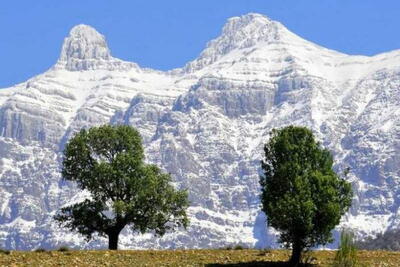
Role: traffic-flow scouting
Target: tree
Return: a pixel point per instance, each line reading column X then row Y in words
column 107, row 161
column 302, row 196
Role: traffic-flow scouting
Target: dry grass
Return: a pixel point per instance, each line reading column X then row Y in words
column 246, row 257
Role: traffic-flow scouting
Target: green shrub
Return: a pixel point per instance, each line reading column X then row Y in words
column 346, row 256
column 4, row 251
column 238, row 247
column 40, row 250
column 63, row 249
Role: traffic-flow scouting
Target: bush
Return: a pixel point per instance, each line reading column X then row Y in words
column 238, row 247
column 346, row 256
column 40, row 250
column 63, row 249
column 4, row 251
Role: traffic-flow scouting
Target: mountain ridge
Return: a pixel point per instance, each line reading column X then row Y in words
column 205, row 123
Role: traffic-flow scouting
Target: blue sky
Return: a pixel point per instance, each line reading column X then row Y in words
column 166, row 34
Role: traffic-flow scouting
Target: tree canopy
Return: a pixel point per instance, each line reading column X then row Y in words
column 302, row 195
column 108, row 162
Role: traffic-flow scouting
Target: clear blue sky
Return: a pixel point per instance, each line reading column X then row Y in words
column 165, row 34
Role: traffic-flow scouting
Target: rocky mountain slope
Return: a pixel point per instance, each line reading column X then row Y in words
column 205, row 124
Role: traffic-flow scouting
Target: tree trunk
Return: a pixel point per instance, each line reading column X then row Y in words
column 296, row 254
column 113, row 233
column 113, row 240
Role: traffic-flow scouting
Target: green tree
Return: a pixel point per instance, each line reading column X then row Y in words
column 302, row 196
column 107, row 161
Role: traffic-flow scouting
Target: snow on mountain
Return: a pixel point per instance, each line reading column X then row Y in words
column 205, row 124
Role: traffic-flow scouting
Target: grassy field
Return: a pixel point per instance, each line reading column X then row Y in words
column 245, row 257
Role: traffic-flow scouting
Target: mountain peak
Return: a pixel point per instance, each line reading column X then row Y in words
column 253, row 19
column 238, row 33
column 83, row 48
column 245, row 30
column 86, row 32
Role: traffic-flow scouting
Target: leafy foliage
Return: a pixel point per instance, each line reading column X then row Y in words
column 346, row 256
column 301, row 194
column 108, row 162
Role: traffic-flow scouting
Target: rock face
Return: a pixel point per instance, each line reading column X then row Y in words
column 86, row 49
column 206, row 124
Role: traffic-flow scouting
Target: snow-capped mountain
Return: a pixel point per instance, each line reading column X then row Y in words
column 206, row 124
